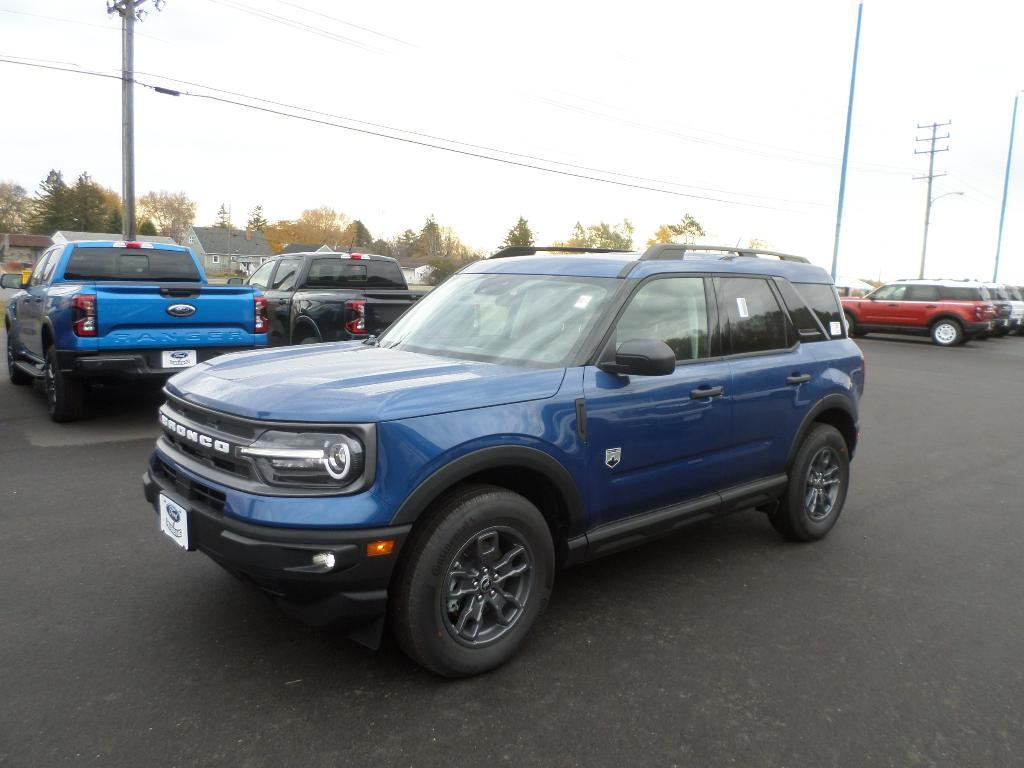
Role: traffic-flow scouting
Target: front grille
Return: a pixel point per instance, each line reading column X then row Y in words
column 188, row 488
column 223, row 462
column 218, row 422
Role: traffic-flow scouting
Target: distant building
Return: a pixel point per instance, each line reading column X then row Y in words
column 64, row 236
column 222, row 250
column 416, row 272
column 17, row 251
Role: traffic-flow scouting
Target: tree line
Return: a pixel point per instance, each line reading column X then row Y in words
column 87, row 206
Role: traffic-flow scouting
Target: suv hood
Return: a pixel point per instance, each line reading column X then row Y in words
column 351, row 382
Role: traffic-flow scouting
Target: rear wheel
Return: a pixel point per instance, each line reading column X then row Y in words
column 852, row 325
column 308, row 340
column 65, row 395
column 818, row 481
column 17, row 375
column 947, row 333
column 472, row 581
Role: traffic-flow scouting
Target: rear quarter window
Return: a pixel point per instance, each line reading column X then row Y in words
column 345, row 273
column 824, row 302
column 151, row 264
column 957, row 293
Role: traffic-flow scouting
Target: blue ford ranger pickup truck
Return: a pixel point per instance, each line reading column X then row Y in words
column 539, row 409
column 101, row 309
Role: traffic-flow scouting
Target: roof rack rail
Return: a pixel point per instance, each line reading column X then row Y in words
column 669, row 251
column 530, row 250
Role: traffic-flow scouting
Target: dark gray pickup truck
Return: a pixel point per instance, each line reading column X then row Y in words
column 326, row 296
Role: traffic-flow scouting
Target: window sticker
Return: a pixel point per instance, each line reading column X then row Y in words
column 741, row 306
column 835, row 328
column 583, row 301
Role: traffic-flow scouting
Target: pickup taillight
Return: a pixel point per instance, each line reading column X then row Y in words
column 83, row 315
column 356, row 310
column 260, row 305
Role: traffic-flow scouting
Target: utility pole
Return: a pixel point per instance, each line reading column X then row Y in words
column 846, row 144
column 129, row 11
column 931, row 151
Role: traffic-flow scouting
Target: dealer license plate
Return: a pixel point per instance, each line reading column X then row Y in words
column 174, row 521
column 179, row 358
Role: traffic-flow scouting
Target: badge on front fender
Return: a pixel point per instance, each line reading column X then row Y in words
column 612, row 457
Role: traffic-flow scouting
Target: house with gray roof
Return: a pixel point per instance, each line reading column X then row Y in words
column 65, row 236
column 305, row 248
column 223, row 250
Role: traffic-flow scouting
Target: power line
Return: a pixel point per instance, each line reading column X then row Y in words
column 415, row 142
column 294, row 24
column 346, row 23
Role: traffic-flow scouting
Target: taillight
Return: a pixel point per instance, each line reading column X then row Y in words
column 357, row 324
column 83, row 315
column 979, row 311
column 260, row 305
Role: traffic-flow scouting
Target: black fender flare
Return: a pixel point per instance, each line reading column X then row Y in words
column 830, row 402
column 496, row 457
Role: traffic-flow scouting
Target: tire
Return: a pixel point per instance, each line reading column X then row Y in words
column 823, row 457
column 851, row 324
column 18, row 376
column 308, row 340
column 947, row 333
column 65, row 395
column 466, row 540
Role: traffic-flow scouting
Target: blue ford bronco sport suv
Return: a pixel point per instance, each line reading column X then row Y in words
column 533, row 411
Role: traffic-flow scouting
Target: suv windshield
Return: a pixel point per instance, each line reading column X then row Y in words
column 130, row 264
column 532, row 320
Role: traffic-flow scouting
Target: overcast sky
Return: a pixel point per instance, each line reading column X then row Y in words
column 740, row 101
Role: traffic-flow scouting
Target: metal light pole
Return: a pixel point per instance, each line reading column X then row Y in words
column 846, row 144
column 927, row 218
column 1006, row 187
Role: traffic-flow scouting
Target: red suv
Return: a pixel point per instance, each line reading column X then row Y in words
column 950, row 311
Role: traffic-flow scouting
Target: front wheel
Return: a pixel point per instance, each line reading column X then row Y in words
column 818, row 481
column 17, row 375
column 851, row 325
column 65, row 395
column 947, row 333
column 472, row 581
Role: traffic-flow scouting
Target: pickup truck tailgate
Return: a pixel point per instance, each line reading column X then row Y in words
column 384, row 307
column 172, row 315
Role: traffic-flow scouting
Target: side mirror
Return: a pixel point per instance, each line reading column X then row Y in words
column 12, row 280
column 236, row 281
column 642, row 357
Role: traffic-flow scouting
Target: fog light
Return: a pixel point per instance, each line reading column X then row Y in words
column 324, row 559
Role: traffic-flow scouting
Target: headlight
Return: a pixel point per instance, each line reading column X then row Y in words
column 307, row 459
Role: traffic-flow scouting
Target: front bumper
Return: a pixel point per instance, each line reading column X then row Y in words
column 279, row 561
column 130, row 363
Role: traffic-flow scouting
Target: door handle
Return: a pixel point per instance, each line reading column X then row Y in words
column 702, row 392
column 893, row 305
column 798, row 378
column 931, row 306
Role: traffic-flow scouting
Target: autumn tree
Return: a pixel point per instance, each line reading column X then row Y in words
column 520, row 234
column 15, row 207
column 403, row 245
column 89, row 205
column 686, row 232
column 602, row 235
column 323, row 226
column 172, row 212
column 441, row 270
column 223, row 217
column 147, row 227
column 356, row 236
column 257, row 221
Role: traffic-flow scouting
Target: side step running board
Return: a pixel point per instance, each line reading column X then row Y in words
column 35, row 371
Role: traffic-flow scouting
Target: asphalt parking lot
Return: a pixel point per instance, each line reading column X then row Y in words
column 897, row 641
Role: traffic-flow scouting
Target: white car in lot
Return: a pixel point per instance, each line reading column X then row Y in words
column 1006, row 294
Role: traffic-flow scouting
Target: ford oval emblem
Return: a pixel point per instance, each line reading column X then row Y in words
column 179, row 355
column 181, row 310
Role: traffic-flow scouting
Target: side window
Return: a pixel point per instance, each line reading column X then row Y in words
column 803, row 318
column 41, row 267
column 823, row 301
column 755, row 321
column 672, row 310
column 284, row 280
column 261, row 276
column 890, row 293
column 922, row 293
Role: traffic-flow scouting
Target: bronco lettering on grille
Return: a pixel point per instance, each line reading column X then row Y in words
column 193, row 436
